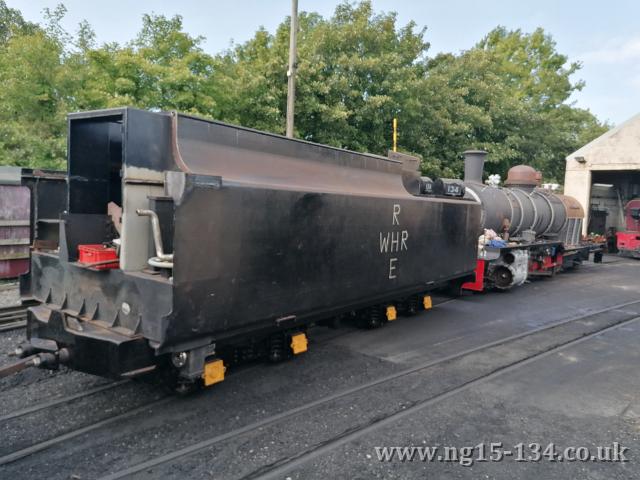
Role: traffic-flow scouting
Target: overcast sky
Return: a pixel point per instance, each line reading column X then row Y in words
column 604, row 36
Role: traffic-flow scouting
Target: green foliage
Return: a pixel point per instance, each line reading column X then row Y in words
column 516, row 88
column 357, row 70
column 31, row 109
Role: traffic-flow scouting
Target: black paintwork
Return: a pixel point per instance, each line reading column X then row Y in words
column 268, row 233
column 249, row 255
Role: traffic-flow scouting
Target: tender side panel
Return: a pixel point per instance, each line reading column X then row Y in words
column 248, row 255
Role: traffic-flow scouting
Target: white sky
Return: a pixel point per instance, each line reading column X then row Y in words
column 604, row 36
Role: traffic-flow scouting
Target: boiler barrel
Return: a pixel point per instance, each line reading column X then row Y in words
column 519, row 208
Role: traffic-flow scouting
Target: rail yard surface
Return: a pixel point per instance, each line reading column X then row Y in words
column 553, row 362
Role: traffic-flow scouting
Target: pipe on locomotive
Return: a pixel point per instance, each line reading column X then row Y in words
column 161, row 260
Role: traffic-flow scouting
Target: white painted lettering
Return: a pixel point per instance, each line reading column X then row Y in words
column 395, row 241
column 392, row 268
column 405, row 236
column 396, row 212
column 384, row 243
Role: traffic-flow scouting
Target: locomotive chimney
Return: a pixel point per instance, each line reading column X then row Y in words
column 474, row 165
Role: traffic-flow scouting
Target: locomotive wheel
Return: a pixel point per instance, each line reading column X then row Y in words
column 502, row 278
column 278, row 349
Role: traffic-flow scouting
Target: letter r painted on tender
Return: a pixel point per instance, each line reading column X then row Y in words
column 396, row 212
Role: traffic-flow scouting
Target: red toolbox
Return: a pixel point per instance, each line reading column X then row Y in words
column 97, row 256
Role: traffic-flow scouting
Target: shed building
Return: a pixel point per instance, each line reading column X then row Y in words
column 604, row 175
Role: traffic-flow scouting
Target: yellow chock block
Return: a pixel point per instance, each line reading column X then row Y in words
column 392, row 314
column 299, row 343
column 213, row 372
column 426, row 301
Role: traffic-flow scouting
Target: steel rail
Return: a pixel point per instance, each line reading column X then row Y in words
column 196, row 447
column 38, row 447
column 282, row 466
column 61, row 400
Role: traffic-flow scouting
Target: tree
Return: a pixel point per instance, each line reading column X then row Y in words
column 163, row 68
column 12, row 23
column 518, row 88
column 31, row 121
column 357, row 70
column 46, row 72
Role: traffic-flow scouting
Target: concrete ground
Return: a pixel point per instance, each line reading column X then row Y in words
column 479, row 369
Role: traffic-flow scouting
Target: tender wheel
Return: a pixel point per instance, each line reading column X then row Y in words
column 371, row 318
column 185, row 387
column 277, row 352
column 411, row 305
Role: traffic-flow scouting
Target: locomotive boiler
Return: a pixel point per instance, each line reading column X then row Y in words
column 537, row 232
column 190, row 244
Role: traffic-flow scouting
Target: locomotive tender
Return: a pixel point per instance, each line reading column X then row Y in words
column 188, row 244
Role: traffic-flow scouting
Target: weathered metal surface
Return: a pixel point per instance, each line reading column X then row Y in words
column 255, row 158
column 27, row 199
column 14, row 230
column 289, row 229
column 268, row 233
column 18, row 366
column 517, row 209
column 523, row 176
column 571, row 233
column 48, row 201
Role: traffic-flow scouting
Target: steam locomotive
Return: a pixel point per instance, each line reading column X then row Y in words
column 538, row 232
column 189, row 245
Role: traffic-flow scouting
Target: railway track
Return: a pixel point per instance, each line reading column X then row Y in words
column 59, row 401
column 38, row 447
column 285, row 464
column 279, row 467
column 440, row 300
column 282, row 466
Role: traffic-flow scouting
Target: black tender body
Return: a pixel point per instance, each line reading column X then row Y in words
column 268, row 234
